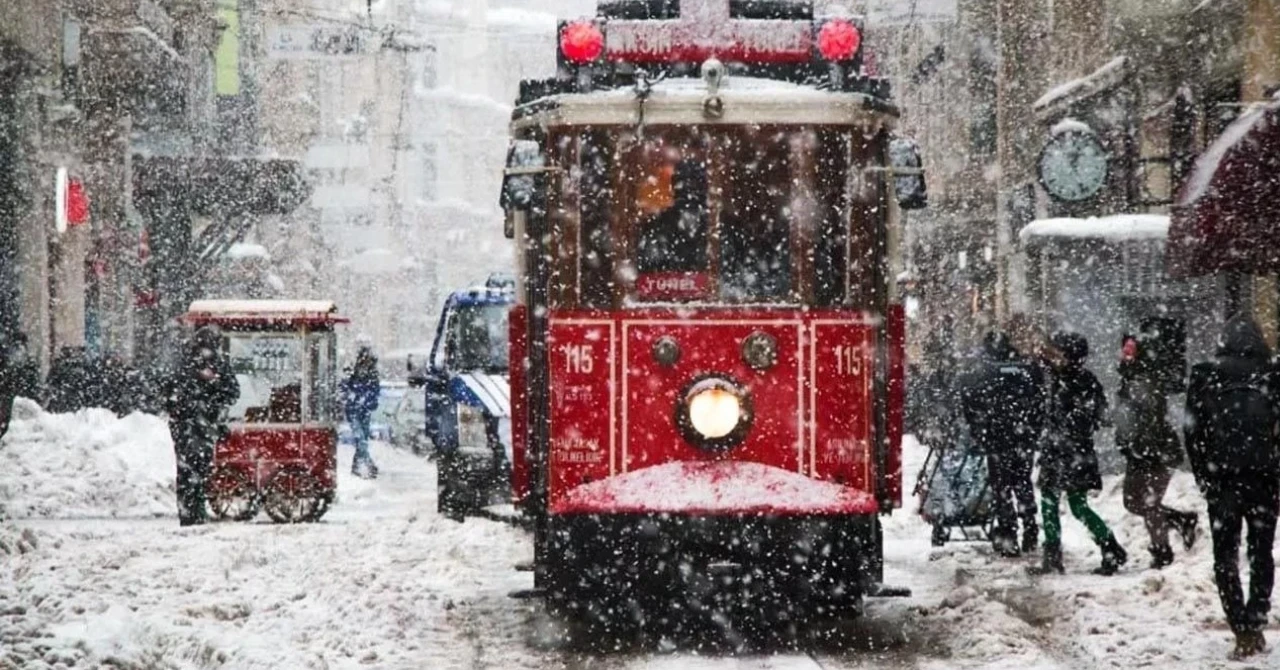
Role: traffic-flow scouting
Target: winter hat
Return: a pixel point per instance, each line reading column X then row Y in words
column 1074, row 346
column 209, row 336
column 997, row 345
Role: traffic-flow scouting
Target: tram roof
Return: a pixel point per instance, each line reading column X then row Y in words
column 248, row 311
column 747, row 100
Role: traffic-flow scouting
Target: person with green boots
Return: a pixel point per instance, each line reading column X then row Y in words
column 1068, row 461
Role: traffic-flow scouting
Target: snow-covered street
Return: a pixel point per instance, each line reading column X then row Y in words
column 384, row 582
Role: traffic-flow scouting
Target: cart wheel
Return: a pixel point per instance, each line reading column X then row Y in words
column 323, row 503
column 292, row 496
column 232, row 495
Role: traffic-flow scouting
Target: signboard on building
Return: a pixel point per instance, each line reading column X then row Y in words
column 316, row 41
column 907, row 12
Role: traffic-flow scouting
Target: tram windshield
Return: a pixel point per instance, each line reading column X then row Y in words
column 734, row 214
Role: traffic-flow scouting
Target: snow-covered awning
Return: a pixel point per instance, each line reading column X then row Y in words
column 1096, row 82
column 245, row 251
column 263, row 311
column 1115, row 228
column 1227, row 215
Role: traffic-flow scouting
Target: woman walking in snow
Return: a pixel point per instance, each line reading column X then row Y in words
column 1150, row 447
column 1068, row 460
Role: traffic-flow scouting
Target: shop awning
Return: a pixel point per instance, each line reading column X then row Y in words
column 1227, row 216
column 226, row 185
column 1114, row 229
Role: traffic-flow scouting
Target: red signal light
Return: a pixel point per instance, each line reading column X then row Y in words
column 581, row 42
column 839, row 40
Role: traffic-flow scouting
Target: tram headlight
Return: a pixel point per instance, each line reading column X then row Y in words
column 473, row 430
column 715, row 413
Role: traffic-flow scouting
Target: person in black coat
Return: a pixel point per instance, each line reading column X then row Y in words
column 1068, row 460
column 675, row 240
column 70, row 383
column 203, row 388
column 1232, row 445
column 1151, row 449
column 19, row 377
column 1003, row 403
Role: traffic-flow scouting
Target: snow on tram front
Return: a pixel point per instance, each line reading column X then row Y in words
column 712, row 347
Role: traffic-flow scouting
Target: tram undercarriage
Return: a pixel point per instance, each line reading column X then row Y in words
column 639, row 567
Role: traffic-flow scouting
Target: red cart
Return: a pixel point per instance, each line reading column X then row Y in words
column 280, row 453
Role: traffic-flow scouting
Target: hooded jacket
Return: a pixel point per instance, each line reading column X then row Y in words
column 204, row 385
column 1078, row 405
column 1229, row 437
column 1003, row 399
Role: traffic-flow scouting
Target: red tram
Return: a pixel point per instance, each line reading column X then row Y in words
column 707, row 377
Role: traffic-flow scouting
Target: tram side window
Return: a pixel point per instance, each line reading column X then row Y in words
column 596, row 203
column 755, row 228
column 674, row 239
column 830, row 255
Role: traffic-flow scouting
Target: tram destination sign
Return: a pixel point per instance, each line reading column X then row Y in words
column 704, row 30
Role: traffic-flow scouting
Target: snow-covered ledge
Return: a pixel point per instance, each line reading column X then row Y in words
column 1115, row 228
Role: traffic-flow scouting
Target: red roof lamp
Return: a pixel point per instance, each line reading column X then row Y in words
column 839, row 40
column 581, row 42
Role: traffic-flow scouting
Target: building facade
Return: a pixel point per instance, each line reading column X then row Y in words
column 986, row 83
column 399, row 111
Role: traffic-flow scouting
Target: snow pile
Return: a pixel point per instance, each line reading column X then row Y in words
column 1070, row 125
column 1116, row 228
column 715, row 487
column 382, row 582
column 15, row 541
column 87, row 464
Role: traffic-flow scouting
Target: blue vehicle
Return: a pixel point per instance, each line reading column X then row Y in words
column 468, row 399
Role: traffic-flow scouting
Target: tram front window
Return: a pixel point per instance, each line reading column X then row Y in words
column 755, row 226
column 717, row 214
column 675, row 238
column 477, row 338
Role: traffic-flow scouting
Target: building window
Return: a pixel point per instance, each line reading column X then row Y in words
column 430, row 174
column 227, row 57
column 430, row 63
column 982, row 89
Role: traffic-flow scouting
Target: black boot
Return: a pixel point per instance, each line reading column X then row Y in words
column 1031, row 539
column 1161, row 557
column 1248, row 643
column 1050, row 562
column 1113, row 556
column 1005, row 543
column 1187, row 523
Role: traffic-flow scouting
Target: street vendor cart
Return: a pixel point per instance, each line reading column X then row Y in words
column 280, row 452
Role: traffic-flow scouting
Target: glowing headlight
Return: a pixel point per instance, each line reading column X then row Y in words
column 714, row 413
column 473, row 430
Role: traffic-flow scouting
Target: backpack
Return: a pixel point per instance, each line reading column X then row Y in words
column 1242, row 421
